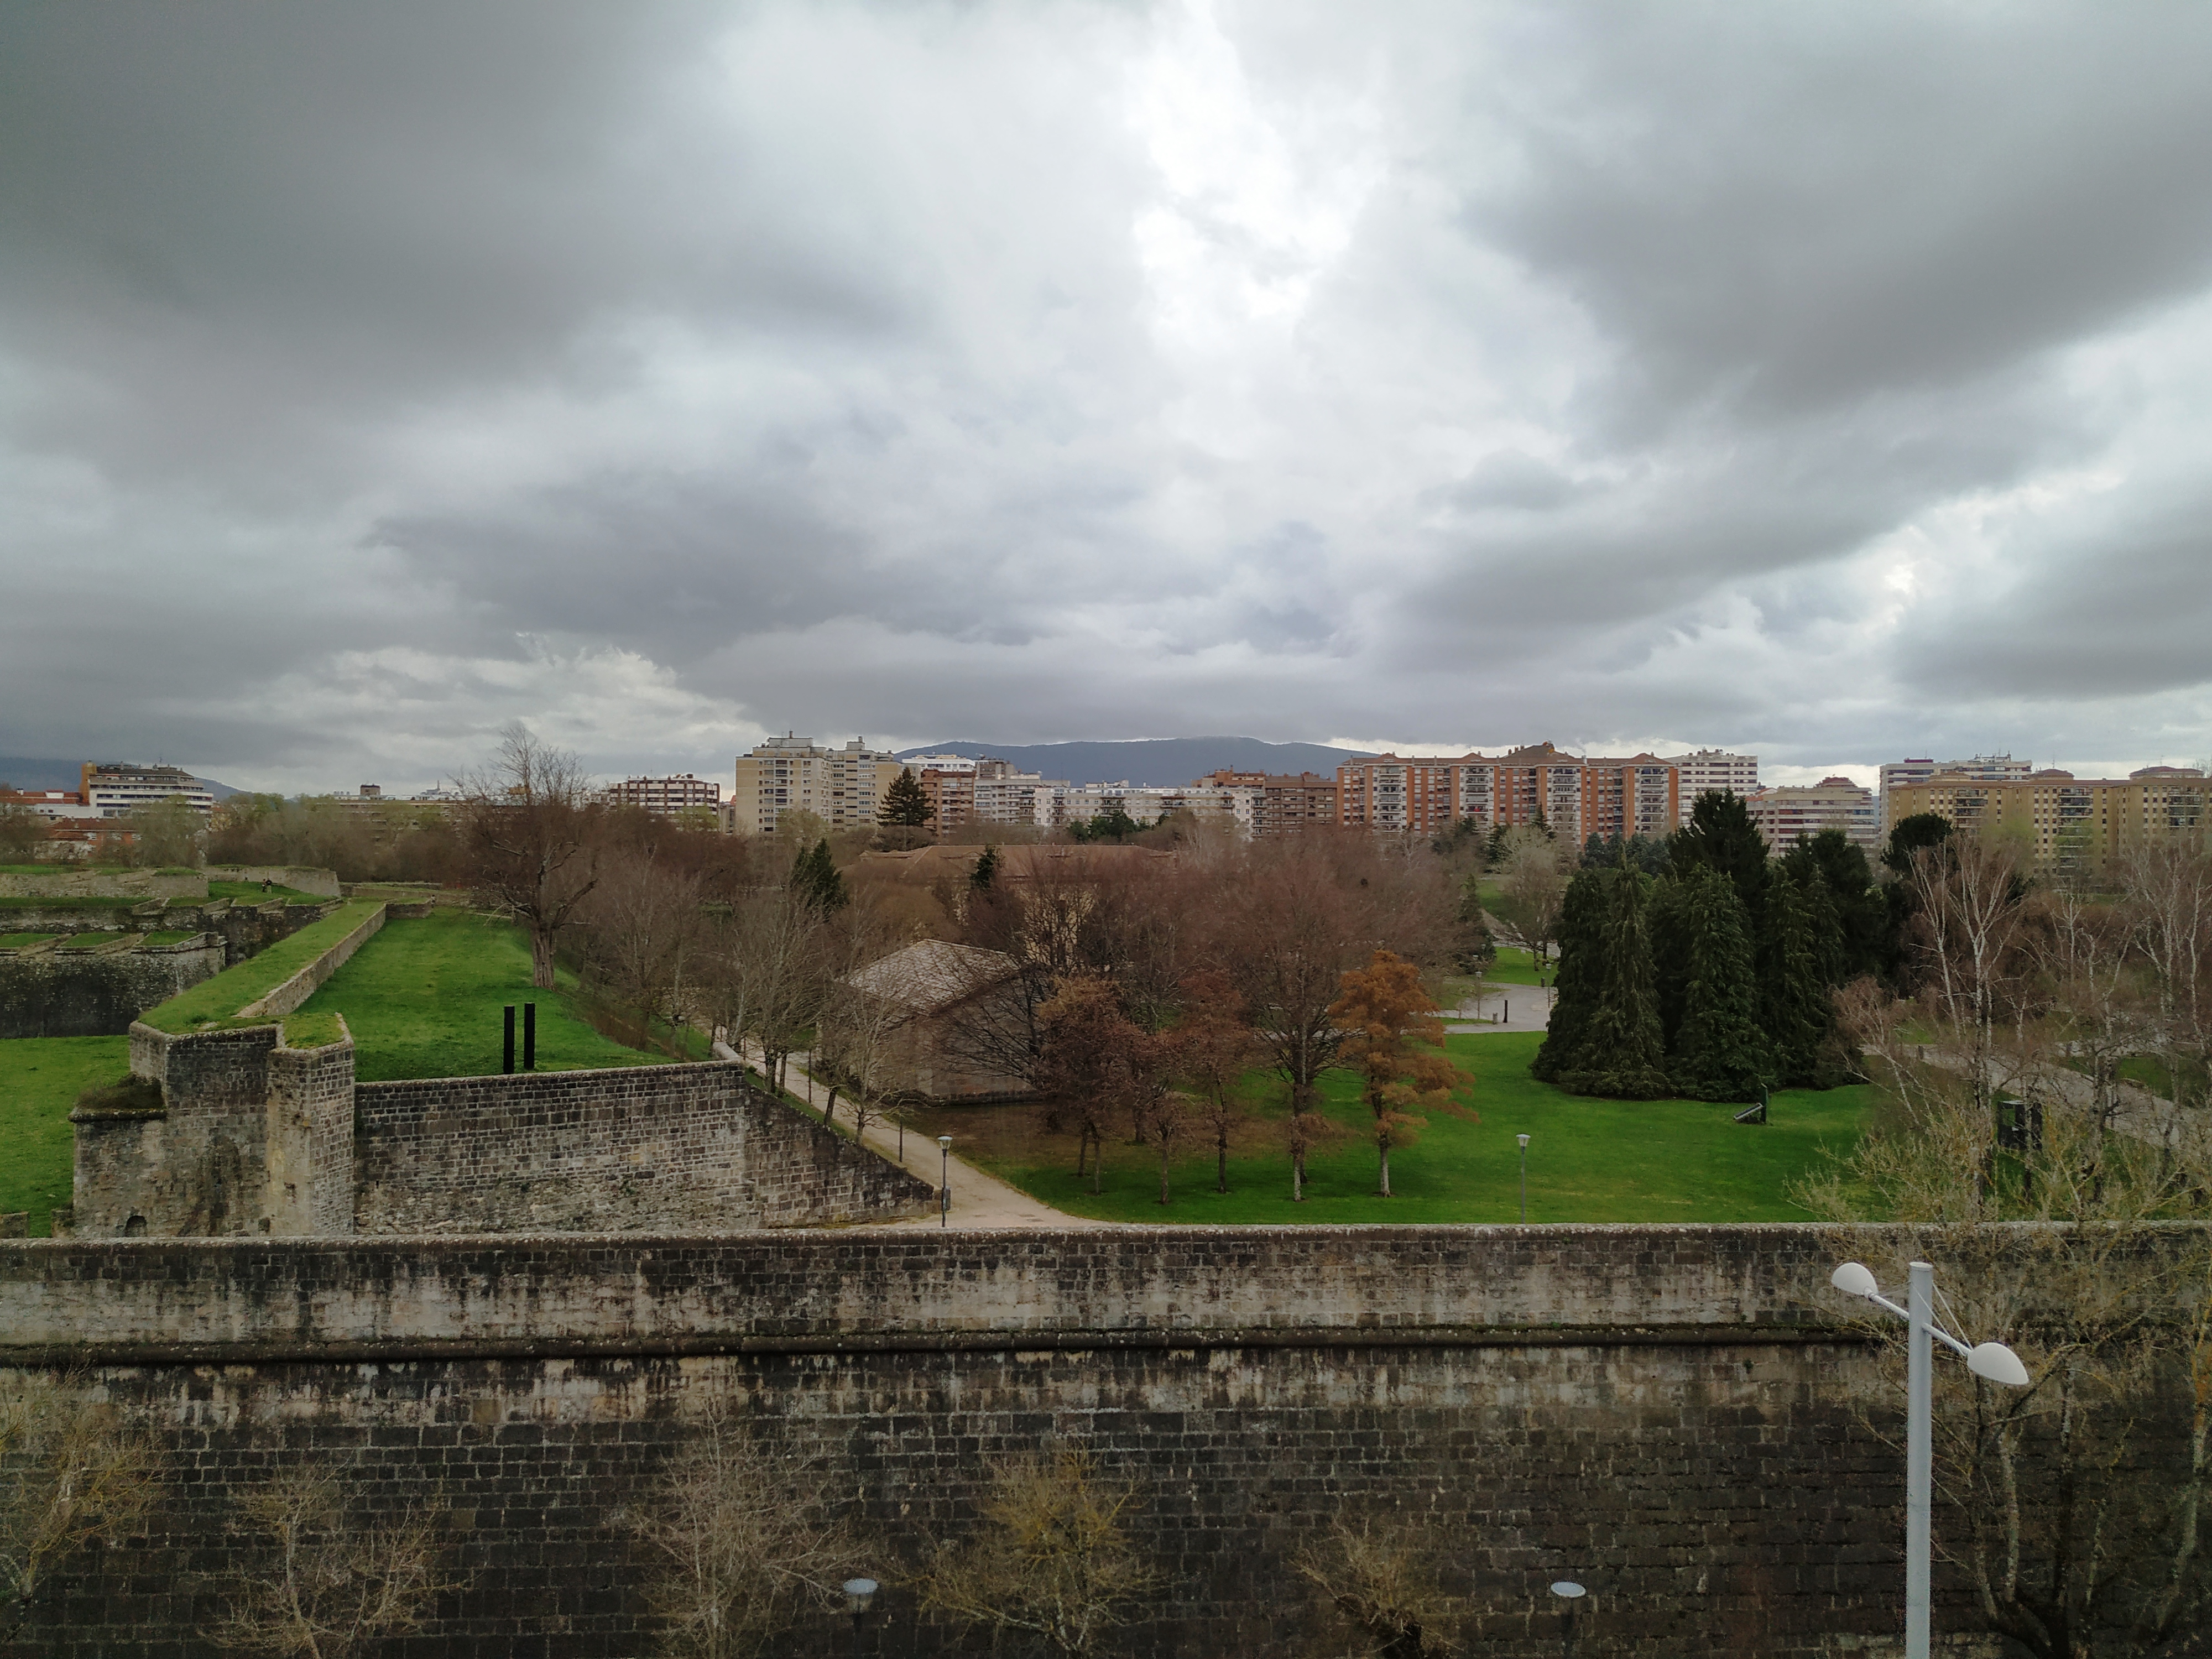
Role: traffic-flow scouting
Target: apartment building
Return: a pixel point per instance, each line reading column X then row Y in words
column 1276, row 803
column 116, row 789
column 1789, row 811
column 54, row 806
column 663, row 797
column 2066, row 823
column 844, row 787
column 1987, row 769
column 1577, row 797
column 1704, row 771
column 1226, row 804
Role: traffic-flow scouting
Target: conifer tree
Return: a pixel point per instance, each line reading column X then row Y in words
column 1575, row 986
column 1495, row 849
column 814, row 878
column 1721, row 835
column 1720, row 1053
column 1796, row 1011
column 986, row 871
column 906, row 804
column 1623, row 1056
column 1670, row 954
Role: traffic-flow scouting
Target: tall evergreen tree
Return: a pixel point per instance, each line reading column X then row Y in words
column 1721, row 835
column 1719, row 1051
column 1495, row 849
column 1670, row 953
column 814, row 878
column 1575, row 986
column 986, row 871
column 1796, row 1011
column 906, row 804
column 1623, row 1054
column 1862, row 913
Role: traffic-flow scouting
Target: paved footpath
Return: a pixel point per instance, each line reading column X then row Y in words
column 1501, row 1008
column 978, row 1199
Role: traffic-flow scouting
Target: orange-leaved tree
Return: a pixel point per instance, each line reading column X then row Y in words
column 1395, row 1041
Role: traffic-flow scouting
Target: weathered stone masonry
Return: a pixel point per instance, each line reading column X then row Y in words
column 1663, row 1411
column 251, row 1135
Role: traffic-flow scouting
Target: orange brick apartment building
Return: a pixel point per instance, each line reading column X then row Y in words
column 1577, row 797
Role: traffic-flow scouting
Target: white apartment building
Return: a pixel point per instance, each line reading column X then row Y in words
column 844, row 787
column 1783, row 814
column 1982, row 769
column 115, row 790
column 1711, row 770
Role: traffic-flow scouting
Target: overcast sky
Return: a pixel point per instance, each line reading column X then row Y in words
column 1832, row 381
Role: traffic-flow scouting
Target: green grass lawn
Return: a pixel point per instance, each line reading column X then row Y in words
column 424, row 998
column 40, row 1078
column 1588, row 1160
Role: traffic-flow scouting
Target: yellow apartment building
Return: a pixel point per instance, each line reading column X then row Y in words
column 845, row 788
column 2067, row 823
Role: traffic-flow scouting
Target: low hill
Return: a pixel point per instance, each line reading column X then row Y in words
column 1151, row 760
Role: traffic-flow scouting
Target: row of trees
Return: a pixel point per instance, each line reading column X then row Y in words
column 1716, row 979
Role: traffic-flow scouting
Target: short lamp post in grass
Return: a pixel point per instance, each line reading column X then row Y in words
column 1523, row 1140
column 1992, row 1360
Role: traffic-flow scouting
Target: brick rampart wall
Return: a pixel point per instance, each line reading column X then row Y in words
column 655, row 1146
column 104, row 883
column 310, row 979
column 1665, row 1413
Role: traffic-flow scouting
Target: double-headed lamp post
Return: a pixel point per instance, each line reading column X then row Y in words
column 1992, row 1360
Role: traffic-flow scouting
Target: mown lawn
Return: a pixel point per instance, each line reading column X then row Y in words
column 40, row 1078
column 424, row 998
column 1588, row 1160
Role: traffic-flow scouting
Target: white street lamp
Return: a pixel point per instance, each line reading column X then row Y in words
column 1571, row 1593
column 1523, row 1140
column 1992, row 1360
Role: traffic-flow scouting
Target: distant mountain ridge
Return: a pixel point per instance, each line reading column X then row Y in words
column 46, row 772
column 1152, row 761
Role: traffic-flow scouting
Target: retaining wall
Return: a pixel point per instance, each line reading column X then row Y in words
column 64, row 883
column 648, row 1146
column 1669, row 1415
column 46, row 992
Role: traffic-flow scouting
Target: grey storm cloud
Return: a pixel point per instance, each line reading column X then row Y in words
column 1830, row 382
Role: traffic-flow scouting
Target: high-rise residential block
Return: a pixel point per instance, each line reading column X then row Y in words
column 664, row 796
column 1987, row 769
column 2063, row 823
column 844, row 787
column 116, row 789
column 1576, row 796
column 1712, row 771
column 1276, row 803
column 1787, row 810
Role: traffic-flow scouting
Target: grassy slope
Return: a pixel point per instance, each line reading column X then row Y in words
column 223, row 996
column 1588, row 1160
column 40, row 1078
column 424, row 998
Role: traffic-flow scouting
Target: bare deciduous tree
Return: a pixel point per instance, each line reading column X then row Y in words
column 1535, row 888
column 1214, row 1049
column 71, row 1474
column 645, row 921
column 328, row 1585
column 1393, row 1040
column 1052, row 1559
column 531, row 834
column 742, row 1544
column 1377, row 1583
column 2067, row 1535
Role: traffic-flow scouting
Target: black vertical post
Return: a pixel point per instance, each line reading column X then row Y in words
column 507, row 1063
column 529, row 1036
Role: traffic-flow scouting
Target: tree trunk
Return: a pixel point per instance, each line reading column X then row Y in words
column 1221, row 1163
column 1164, row 1169
column 1297, row 1177
column 1382, row 1146
column 541, row 958
column 1098, row 1163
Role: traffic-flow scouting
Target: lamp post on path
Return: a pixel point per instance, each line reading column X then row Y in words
column 944, row 1181
column 1992, row 1360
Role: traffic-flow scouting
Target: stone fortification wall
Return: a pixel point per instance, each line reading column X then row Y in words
column 657, row 1146
column 1664, row 1412
column 250, row 1136
column 45, row 991
column 310, row 979
column 62, row 882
